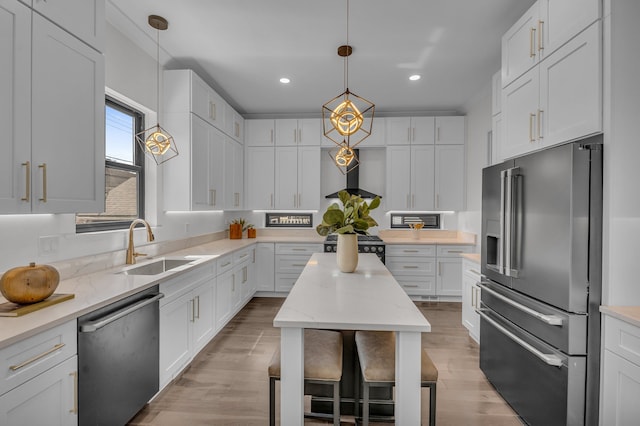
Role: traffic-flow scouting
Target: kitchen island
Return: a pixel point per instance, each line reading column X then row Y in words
column 368, row 299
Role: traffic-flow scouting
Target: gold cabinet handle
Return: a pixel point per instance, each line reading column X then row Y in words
column 410, row 251
column 532, row 42
column 27, row 192
column 532, row 117
column 226, row 264
column 271, row 139
column 212, row 197
column 212, row 110
column 473, row 302
column 43, row 166
column 413, row 134
column 455, row 251
column 35, row 358
column 272, row 199
column 233, row 283
column 295, row 136
column 410, row 267
column 193, row 310
column 437, row 201
column 540, row 39
column 197, row 303
column 438, row 133
column 540, row 112
column 409, row 286
column 74, row 409
column 245, row 274
column 440, row 268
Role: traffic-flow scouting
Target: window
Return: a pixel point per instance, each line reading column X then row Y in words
column 124, row 171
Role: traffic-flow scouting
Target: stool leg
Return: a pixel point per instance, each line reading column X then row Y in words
column 336, row 404
column 365, row 404
column 272, row 401
column 432, row 405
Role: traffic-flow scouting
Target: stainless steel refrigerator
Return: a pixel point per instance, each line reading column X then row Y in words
column 541, row 287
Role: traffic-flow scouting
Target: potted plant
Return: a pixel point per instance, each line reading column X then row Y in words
column 237, row 227
column 251, row 231
column 348, row 220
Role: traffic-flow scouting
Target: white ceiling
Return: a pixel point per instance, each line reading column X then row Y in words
column 242, row 48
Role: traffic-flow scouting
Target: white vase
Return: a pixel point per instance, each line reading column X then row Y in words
column 347, row 252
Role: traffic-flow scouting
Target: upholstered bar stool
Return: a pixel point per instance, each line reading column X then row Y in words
column 322, row 365
column 377, row 357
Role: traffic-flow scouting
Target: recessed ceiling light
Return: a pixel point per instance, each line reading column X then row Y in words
column 414, row 77
column 285, row 80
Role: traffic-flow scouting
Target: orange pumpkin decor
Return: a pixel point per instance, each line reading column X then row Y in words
column 29, row 284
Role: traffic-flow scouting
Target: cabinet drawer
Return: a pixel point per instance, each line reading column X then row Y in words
column 453, row 251
column 286, row 248
column 174, row 287
column 244, row 255
column 418, row 286
column 290, row 264
column 26, row 359
column 418, row 266
column 285, row 282
column 411, row 250
column 622, row 338
column 225, row 263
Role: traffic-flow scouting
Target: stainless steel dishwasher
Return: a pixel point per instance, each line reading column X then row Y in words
column 118, row 359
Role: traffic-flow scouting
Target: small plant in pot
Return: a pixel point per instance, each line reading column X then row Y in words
column 348, row 220
column 237, row 227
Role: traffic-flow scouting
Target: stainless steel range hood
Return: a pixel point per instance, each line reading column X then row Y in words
column 353, row 181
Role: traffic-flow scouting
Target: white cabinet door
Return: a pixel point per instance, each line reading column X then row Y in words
column 203, row 314
column 200, row 196
column 620, row 390
column 449, row 277
column 15, row 107
column 398, row 130
column 234, row 124
column 422, row 178
column 309, row 131
column 398, row 177
column 496, row 138
column 240, row 276
column 449, row 177
column 83, row 18
column 520, row 46
column 286, row 178
column 450, row 130
column 260, row 177
column 49, row 399
column 224, row 283
column 561, row 20
column 234, row 170
column 471, row 302
column 422, row 130
column 67, row 123
column 216, row 168
column 265, row 265
column 287, row 132
column 519, row 114
column 260, row 132
column 175, row 337
column 496, row 93
column 571, row 89
column 309, row 178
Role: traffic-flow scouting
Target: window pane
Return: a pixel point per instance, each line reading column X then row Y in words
column 121, row 198
column 119, row 136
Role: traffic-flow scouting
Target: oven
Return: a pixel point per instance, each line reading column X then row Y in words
column 366, row 244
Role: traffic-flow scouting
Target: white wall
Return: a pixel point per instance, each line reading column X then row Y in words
column 478, row 111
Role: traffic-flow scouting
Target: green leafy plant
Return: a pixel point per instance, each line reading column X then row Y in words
column 352, row 218
column 243, row 223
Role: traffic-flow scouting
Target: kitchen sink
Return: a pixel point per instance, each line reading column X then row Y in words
column 157, row 267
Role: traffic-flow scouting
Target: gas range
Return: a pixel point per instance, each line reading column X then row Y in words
column 366, row 244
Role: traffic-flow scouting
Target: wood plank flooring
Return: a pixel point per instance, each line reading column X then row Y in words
column 227, row 383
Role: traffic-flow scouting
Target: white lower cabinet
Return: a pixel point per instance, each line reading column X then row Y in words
column 290, row 260
column 427, row 269
column 224, row 284
column 39, row 379
column 621, row 373
column 187, row 319
column 265, row 267
column 471, row 298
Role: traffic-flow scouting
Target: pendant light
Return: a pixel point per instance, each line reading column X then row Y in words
column 155, row 141
column 347, row 119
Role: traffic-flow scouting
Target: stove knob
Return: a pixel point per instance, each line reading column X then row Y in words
column 366, row 249
column 380, row 249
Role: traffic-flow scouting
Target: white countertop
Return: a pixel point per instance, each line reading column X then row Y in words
column 630, row 314
column 367, row 299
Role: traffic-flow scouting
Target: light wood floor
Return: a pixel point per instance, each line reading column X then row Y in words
column 227, row 383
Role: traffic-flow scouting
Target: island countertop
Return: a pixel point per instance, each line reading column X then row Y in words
column 367, row 299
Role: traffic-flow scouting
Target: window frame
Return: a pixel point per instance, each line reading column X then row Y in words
column 139, row 167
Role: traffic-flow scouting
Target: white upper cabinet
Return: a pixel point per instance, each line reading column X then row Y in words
column 558, row 100
column 84, row 19
column 496, row 93
column 293, row 132
column 543, row 29
column 53, row 108
column 410, row 178
column 259, row 177
column 450, row 130
column 234, row 175
column 297, row 178
column 410, row 130
column 15, row 107
column 377, row 138
column 234, row 124
column 449, row 177
column 260, row 132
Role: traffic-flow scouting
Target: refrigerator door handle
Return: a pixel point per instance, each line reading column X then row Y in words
column 501, row 242
column 548, row 319
column 510, row 217
column 549, row 359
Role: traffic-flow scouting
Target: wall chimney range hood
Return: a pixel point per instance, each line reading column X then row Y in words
column 353, row 181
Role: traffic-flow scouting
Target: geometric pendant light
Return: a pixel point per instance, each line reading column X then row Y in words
column 347, row 119
column 155, row 141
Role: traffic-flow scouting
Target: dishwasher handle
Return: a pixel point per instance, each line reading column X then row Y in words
column 92, row 326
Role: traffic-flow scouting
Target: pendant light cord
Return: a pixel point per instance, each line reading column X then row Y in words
column 346, row 58
column 158, row 76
